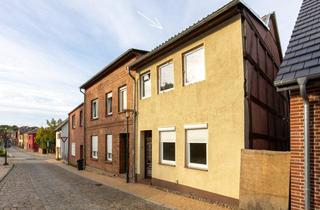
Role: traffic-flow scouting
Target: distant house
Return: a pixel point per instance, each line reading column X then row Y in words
column 31, row 140
column 76, row 135
column 23, row 136
column 62, row 141
column 300, row 73
column 203, row 96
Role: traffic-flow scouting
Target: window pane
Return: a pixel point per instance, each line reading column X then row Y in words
column 166, row 77
column 73, row 149
column 109, row 103
column 108, row 146
column 198, row 153
column 122, row 98
column 95, row 109
column 125, row 98
column 169, row 151
column 194, row 66
column 94, row 146
column 146, row 85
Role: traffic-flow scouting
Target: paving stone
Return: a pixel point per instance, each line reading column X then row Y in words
column 39, row 185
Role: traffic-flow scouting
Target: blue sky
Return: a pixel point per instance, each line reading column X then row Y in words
column 49, row 48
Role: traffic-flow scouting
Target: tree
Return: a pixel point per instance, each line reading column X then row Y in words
column 47, row 134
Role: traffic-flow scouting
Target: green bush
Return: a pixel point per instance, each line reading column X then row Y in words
column 1, row 152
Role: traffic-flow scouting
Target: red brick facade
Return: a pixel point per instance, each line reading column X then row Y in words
column 76, row 134
column 297, row 148
column 114, row 124
column 32, row 146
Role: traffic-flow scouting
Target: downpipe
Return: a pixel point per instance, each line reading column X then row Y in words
column 134, row 124
column 84, row 130
column 306, row 109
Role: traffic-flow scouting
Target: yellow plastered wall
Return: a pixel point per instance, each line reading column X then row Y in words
column 217, row 101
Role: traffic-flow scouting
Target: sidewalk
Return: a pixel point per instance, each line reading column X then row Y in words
column 143, row 191
column 4, row 170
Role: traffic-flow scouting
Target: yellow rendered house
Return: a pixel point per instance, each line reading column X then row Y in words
column 204, row 95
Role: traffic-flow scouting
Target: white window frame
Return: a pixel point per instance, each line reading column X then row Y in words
column 94, row 151
column 185, row 65
column 109, row 95
column 109, row 147
column 73, row 149
column 123, row 99
column 142, row 85
column 95, row 101
column 196, row 127
column 73, row 121
column 159, row 77
column 162, row 130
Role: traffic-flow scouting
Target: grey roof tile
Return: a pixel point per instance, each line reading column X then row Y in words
column 311, row 63
column 316, row 54
column 297, row 67
column 315, row 70
column 285, row 70
column 302, row 73
column 302, row 58
column 287, row 76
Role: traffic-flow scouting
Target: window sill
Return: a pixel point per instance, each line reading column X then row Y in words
column 193, row 83
column 146, row 97
column 109, row 115
column 197, row 168
column 168, row 164
column 109, row 162
column 94, row 159
column 92, row 119
column 166, row 91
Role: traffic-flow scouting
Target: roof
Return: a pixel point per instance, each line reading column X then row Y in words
column 34, row 130
column 25, row 129
column 59, row 127
column 80, row 105
column 302, row 58
column 215, row 18
column 114, row 64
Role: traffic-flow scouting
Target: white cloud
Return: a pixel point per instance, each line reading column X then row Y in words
column 49, row 48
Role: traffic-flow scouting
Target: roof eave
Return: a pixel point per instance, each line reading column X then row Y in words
column 77, row 107
column 113, row 64
column 226, row 10
column 291, row 84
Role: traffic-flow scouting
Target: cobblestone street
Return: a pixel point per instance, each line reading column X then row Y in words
column 36, row 184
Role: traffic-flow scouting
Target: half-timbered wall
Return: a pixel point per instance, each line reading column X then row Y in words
column 268, row 110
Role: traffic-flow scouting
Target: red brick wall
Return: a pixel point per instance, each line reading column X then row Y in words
column 76, row 135
column 297, row 148
column 114, row 124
